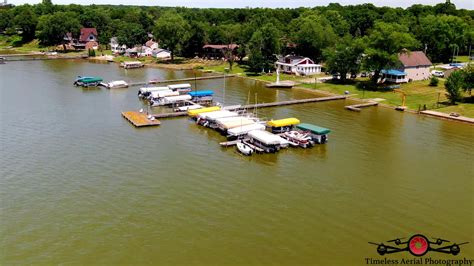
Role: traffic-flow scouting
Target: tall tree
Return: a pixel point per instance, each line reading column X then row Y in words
column 263, row 47
column 384, row 43
column 230, row 34
column 345, row 57
column 442, row 34
column 26, row 19
column 312, row 33
column 172, row 31
column 131, row 34
column 53, row 28
column 453, row 86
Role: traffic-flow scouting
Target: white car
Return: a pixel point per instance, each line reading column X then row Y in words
column 437, row 73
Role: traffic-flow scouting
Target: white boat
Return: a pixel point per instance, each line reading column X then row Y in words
column 299, row 138
column 116, row 84
column 155, row 95
column 243, row 130
column 183, row 88
column 132, row 64
column 244, row 149
column 227, row 123
column 211, row 117
column 188, row 107
column 146, row 91
column 170, row 100
column 267, row 141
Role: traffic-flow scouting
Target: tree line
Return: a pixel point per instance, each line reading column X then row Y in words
column 345, row 37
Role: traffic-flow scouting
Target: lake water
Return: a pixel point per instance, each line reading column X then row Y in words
column 80, row 185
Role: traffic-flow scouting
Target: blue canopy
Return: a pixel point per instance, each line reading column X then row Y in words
column 201, row 93
column 393, row 72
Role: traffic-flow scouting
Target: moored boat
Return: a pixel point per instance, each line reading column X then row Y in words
column 132, row 64
column 239, row 131
column 298, row 138
column 87, row 81
column 195, row 112
column 172, row 100
column 116, row 84
column 267, row 141
column 318, row 134
column 146, row 91
column 209, row 119
column 244, row 148
column 181, row 88
column 282, row 125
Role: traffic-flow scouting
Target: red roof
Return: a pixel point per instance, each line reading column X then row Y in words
column 413, row 59
column 85, row 32
column 221, row 46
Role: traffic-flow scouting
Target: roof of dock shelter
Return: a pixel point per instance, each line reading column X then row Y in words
column 195, row 112
column 313, row 128
column 393, row 72
column 283, row 122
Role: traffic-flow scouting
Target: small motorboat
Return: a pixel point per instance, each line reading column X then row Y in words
column 244, row 148
column 301, row 139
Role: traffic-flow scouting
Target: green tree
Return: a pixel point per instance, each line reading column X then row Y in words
column 52, row 28
column 434, row 81
column 26, row 19
column 172, row 31
column 468, row 77
column 441, row 34
column 453, row 86
column 312, row 33
column 230, row 34
column 345, row 57
column 263, row 48
column 131, row 34
column 384, row 43
column 199, row 37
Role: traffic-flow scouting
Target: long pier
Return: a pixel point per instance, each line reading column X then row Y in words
column 180, row 80
column 43, row 58
column 262, row 105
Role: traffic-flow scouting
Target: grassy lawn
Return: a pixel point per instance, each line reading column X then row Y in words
column 465, row 109
column 462, row 58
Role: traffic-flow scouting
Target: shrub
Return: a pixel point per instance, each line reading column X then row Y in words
column 434, row 81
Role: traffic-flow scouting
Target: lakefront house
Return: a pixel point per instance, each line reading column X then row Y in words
column 413, row 66
column 88, row 39
column 299, row 65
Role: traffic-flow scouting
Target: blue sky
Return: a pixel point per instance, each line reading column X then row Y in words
column 467, row 4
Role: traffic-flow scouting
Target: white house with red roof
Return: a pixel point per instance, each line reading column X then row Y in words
column 298, row 65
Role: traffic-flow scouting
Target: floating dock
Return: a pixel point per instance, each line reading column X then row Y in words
column 262, row 105
column 180, row 80
column 139, row 119
column 358, row 107
column 447, row 116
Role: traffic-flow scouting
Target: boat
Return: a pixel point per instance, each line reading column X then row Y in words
column 244, row 148
column 301, row 139
column 188, row 107
column 146, row 91
column 2, row 60
column 155, row 95
column 239, row 131
column 226, row 123
column 282, row 125
column 208, row 119
column 153, row 81
column 318, row 134
column 87, row 81
column 267, row 141
column 116, row 84
column 181, row 88
column 132, row 64
column 195, row 112
column 171, row 100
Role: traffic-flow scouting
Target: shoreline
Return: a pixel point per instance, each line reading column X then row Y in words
column 193, row 65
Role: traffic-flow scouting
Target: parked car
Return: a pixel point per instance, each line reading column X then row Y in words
column 437, row 73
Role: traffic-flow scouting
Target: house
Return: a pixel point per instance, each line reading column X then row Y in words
column 394, row 76
column 298, row 65
column 145, row 51
column 415, row 64
column 151, row 44
column 161, row 53
column 89, row 38
column 217, row 51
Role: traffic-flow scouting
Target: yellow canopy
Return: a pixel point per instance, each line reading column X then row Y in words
column 195, row 112
column 283, row 122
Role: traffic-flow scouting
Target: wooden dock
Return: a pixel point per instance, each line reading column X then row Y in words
column 358, row 107
column 447, row 116
column 180, row 80
column 261, row 105
column 139, row 119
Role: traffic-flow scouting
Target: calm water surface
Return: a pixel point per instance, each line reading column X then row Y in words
column 80, row 185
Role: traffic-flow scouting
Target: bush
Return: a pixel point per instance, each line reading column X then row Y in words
column 91, row 53
column 453, row 86
column 434, row 81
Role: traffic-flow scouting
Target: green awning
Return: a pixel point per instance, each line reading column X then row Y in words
column 313, row 128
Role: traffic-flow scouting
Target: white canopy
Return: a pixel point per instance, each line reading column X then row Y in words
column 179, row 86
column 217, row 114
column 163, row 93
column 267, row 137
column 152, row 89
column 242, row 130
